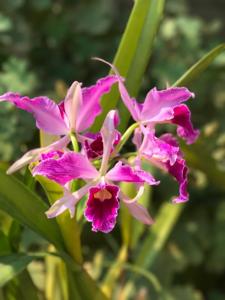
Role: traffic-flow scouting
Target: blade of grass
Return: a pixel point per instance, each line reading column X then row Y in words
column 200, row 66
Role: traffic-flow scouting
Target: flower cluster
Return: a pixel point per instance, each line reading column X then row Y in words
column 98, row 163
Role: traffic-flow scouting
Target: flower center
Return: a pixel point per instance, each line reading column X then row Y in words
column 103, row 195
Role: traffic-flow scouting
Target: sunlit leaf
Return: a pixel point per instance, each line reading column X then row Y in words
column 134, row 53
column 158, row 234
column 12, row 265
column 200, row 66
column 26, row 207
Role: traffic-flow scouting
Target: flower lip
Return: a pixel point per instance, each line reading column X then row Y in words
column 102, row 207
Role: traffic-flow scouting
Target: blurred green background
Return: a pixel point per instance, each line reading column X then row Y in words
column 45, row 45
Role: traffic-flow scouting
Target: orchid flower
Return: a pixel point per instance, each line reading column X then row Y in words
column 93, row 144
column 103, row 195
column 165, row 106
column 164, row 153
column 73, row 115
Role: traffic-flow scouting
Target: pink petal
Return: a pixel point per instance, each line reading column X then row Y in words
column 102, row 207
column 132, row 105
column 180, row 171
column 70, row 166
column 68, row 201
column 72, row 103
column 158, row 149
column 170, row 159
column 93, row 144
column 182, row 117
column 45, row 111
column 139, row 212
column 108, row 133
column 35, row 154
column 125, row 173
column 137, row 138
column 159, row 105
column 27, row 158
column 90, row 107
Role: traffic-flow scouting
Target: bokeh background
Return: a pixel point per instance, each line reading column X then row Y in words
column 45, row 45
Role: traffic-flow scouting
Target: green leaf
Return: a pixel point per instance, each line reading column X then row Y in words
column 83, row 285
column 158, row 234
column 12, row 265
column 131, row 229
column 134, row 53
column 200, row 66
column 4, row 244
column 26, row 207
column 68, row 226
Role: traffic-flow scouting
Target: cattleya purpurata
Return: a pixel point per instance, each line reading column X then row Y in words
column 99, row 163
column 71, row 115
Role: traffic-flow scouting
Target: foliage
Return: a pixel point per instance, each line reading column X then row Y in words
column 44, row 46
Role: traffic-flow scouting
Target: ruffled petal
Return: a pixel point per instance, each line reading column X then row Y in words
column 125, row 173
column 102, row 207
column 90, row 107
column 180, row 171
column 158, row 105
column 45, row 111
column 177, row 169
column 158, row 149
column 70, row 166
column 182, row 118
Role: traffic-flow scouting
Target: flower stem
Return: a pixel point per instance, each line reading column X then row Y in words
column 74, row 142
column 124, row 138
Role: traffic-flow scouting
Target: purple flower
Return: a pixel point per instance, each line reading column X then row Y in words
column 75, row 114
column 165, row 106
column 161, row 107
column 103, row 201
column 182, row 118
column 102, row 207
column 164, row 153
column 93, row 144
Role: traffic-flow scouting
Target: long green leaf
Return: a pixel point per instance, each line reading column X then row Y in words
column 26, row 207
column 200, row 66
column 134, row 53
column 68, row 226
column 158, row 234
column 85, row 286
column 12, row 265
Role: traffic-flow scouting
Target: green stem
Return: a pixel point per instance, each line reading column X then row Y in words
column 124, row 138
column 74, row 142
